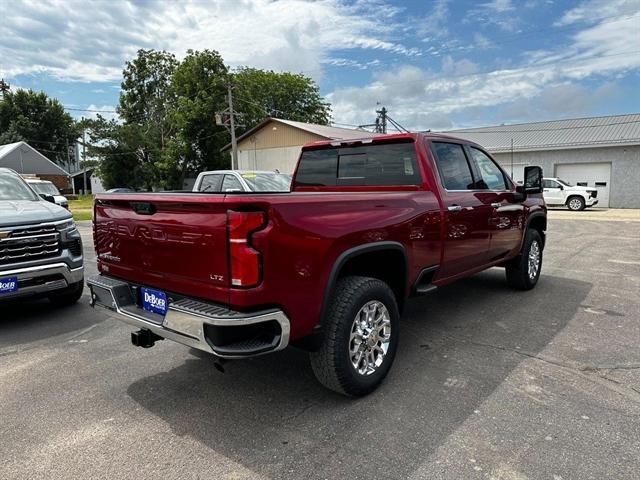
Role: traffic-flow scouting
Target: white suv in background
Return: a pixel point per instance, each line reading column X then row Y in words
column 558, row 192
column 45, row 187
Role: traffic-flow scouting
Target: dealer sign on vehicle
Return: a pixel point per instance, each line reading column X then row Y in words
column 8, row 285
column 154, row 301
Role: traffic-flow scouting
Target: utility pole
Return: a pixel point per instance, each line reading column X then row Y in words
column 381, row 121
column 234, row 145
column 4, row 87
column 512, row 158
column 227, row 118
column 84, row 159
column 73, row 180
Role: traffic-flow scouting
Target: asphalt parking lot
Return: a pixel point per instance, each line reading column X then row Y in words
column 488, row 383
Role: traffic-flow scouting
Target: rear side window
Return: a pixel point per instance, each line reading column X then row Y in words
column 318, row 168
column 492, row 177
column 453, row 166
column 370, row 165
column 210, row 183
column 231, row 183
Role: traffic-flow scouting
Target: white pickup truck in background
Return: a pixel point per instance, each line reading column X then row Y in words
column 558, row 192
column 220, row 181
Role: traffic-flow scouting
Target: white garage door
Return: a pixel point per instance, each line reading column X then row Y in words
column 596, row 175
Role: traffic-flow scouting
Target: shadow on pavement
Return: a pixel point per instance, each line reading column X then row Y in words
column 457, row 346
column 30, row 320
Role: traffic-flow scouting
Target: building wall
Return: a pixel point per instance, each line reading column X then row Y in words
column 274, row 146
column 60, row 181
column 276, row 135
column 283, row 159
column 625, row 168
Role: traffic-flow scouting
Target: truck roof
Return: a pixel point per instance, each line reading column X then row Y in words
column 383, row 138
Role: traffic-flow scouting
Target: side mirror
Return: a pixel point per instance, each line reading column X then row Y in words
column 532, row 180
column 560, row 187
column 48, row 198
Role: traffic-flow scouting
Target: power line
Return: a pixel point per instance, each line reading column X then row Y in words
column 89, row 110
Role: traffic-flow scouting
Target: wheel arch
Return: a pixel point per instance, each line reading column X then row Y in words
column 371, row 260
column 538, row 221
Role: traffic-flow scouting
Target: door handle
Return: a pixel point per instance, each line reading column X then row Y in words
column 455, row 208
column 496, row 205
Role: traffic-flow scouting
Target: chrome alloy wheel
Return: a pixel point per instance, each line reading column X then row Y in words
column 370, row 337
column 534, row 260
column 575, row 204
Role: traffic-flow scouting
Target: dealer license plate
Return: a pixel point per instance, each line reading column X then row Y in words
column 8, row 285
column 154, row 301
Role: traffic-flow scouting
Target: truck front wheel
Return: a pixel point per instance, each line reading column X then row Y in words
column 360, row 333
column 523, row 271
column 576, row 203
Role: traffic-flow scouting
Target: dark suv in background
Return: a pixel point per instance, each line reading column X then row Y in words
column 40, row 247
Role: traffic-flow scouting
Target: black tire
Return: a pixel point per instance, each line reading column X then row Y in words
column 68, row 296
column 576, row 203
column 332, row 362
column 517, row 270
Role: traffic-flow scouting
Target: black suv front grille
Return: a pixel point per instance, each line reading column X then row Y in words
column 29, row 243
column 594, row 194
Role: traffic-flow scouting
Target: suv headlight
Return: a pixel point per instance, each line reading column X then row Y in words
column 67, row 226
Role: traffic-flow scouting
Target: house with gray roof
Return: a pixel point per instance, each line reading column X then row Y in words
column 600, row 152
column 26, row 160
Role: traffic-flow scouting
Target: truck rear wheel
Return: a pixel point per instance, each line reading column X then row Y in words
column 523, row 271
column 360, row 336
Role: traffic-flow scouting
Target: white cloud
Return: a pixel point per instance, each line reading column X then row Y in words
column 593, row 10
column 434, row 24
column 105, row 111
column 499, row 6
column 546, row 78
column 75, row 41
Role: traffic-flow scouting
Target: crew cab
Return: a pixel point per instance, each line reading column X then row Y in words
column 40, row 246
column 558, row 192
column 328, row 266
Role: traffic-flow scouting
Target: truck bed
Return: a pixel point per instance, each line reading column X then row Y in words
column 178, row 242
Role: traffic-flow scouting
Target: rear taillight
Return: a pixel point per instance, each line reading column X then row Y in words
column 245, row 262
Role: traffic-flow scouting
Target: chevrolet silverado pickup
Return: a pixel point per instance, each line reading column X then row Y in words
column 40, row 247
column 558, row 192
column 327, row 266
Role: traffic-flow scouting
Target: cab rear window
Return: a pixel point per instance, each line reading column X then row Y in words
column 370, row 165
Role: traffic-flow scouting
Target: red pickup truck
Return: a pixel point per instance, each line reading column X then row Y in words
column 327, row 266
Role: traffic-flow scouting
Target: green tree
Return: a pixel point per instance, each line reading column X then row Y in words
column 167, row 116
column 148, row 128
column 35, row 118
column 199, row 87
column 293, row 96
column 127, row 159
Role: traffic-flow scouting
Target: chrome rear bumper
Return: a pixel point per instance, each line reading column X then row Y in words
column 206, row 326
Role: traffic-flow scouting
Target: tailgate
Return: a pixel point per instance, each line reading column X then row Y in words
column 174, row 242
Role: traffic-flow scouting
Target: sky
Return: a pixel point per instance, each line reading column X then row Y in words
column 433, row 64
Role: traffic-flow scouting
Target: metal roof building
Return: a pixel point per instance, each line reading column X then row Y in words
column 601, row 152
column 23, row 158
